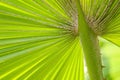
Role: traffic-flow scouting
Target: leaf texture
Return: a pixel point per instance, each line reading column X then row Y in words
column 37, row 42
column 103, row 16
column 38, row 37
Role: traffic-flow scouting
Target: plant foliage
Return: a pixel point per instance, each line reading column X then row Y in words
column 39, row 41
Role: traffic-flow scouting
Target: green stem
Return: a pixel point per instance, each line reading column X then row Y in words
column 90, row 46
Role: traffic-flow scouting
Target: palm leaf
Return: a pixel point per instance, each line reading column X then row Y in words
column 39, row 38
column 103, row 16
column 36, row 42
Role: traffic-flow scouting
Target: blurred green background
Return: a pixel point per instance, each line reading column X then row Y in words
column 111, row 60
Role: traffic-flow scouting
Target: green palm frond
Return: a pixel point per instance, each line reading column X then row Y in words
column 104, row 18
column 43, row 39
column 36, row 42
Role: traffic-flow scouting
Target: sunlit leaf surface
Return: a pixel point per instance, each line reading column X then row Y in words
column 38, row 40
column 104, row 18
column 37, row 43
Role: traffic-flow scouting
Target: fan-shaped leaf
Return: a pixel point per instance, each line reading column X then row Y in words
column 37, row 42
column 103, row 16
